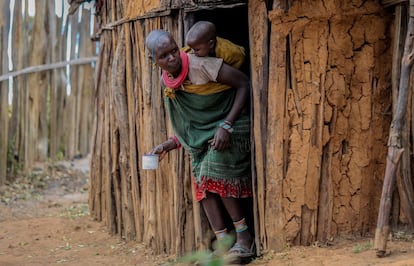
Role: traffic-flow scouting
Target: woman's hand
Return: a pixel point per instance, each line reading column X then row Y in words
column 163, row 148
column 221, row 140
column 159, row 149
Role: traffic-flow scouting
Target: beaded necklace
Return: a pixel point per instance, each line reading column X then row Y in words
column 172, row 82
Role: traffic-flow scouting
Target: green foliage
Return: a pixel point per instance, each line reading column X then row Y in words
column 13, row 165
column 359, row 248
column 218, row 257
column 60, row 156
column 75, row 211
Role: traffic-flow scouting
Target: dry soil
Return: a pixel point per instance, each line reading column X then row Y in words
column 44, row 220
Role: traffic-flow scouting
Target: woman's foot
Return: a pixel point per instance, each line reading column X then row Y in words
column 242, row 250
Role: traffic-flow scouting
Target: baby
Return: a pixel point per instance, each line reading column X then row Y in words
column 203, row 41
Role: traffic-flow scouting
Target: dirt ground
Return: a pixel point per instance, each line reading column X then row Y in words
column 44, row 220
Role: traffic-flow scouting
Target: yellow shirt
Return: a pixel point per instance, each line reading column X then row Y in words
column 231, row 53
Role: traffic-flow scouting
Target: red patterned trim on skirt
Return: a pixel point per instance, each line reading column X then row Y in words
column 225, row 188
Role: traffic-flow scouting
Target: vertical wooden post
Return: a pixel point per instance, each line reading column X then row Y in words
column 394, row 143
column 38, row 88
column 4, row 113
column 383, row 227
column 259, row 77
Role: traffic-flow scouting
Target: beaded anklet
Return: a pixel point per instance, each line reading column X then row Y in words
column 240, row 226
column 220, row 234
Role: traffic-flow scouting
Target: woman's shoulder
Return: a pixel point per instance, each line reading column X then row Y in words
column 198, row 62
column 203, row 69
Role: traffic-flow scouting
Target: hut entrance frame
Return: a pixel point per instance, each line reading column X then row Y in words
column 236, row 30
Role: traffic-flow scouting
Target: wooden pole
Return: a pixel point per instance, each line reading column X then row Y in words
column 44, row 67
column 383, row 228
column 4, row 112
column 394, row 143
column 260, row 62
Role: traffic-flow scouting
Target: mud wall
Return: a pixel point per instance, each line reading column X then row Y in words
column 321, row 150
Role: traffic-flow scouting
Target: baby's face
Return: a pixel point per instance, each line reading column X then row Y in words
column 200, row 49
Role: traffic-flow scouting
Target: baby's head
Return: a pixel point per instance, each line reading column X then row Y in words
column 201, row 38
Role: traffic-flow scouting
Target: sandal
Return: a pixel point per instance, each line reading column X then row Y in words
column 242, row 252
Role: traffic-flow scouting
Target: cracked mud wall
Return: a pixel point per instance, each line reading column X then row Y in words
column 328, row 116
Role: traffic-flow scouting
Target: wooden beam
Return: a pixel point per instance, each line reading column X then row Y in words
column 392, row 2
column 39, row 68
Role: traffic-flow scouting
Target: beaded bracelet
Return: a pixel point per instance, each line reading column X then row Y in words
column 228, row 122
column 226, row 126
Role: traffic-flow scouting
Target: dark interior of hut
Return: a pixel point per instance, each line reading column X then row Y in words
column 232, row 24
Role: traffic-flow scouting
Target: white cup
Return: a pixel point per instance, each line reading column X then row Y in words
column 149, row 161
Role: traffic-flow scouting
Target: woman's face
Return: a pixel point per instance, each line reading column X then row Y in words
column 167, row 55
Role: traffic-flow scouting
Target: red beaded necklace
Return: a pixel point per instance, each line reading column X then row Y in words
column 174, row 83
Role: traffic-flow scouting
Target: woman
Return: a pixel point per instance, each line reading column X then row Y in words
column 206, row 101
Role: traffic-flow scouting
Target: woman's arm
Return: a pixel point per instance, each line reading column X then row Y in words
column 168, row 145
column 239, row 81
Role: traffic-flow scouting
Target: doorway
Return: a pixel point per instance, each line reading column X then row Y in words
column 232, row 24
column 235, row 29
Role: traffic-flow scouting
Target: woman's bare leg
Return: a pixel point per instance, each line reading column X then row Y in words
column 213, row 208
column 235, row 210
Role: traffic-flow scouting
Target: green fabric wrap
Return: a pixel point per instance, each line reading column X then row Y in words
column 195, row 120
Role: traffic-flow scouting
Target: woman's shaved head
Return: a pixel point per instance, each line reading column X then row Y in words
column 154, row 37
column 164, row 50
